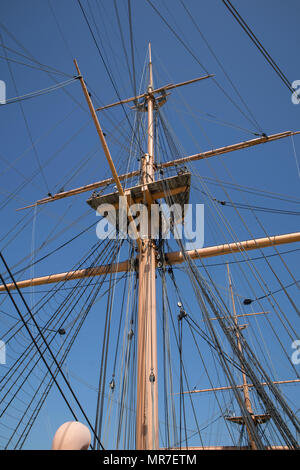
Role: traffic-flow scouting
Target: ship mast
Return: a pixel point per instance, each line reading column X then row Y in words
column 148, row 191
column 257, row 419
column 147, row 396
column 245, row 387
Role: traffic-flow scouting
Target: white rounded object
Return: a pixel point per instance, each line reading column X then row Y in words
column 72, row 435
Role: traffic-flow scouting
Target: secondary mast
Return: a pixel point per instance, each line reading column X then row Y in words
column 245, row 384
column 257, row 419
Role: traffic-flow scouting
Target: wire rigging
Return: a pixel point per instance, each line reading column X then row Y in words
column 132, row 47
column 79, row 296
column 26, row 121
column 104, row 63
column 43, row 68
column 204, row 68
column 258, row 44
column 220, row 64
column 46, row 344
column 44, row 91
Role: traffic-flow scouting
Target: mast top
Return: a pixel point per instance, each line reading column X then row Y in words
column 150, row 86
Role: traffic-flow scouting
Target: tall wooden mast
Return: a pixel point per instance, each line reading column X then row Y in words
column 147, row 396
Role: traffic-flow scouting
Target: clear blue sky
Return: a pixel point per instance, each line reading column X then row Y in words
column 270, row 167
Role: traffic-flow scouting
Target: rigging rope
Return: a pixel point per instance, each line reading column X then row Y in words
column 43, row 68
column 89, row 304
column 257, row 43
column 104, row 63
column 220, row 64
column 197, row 60
column 47, row 346
column 44, row 91
column 284, row 430
column 25, row 119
